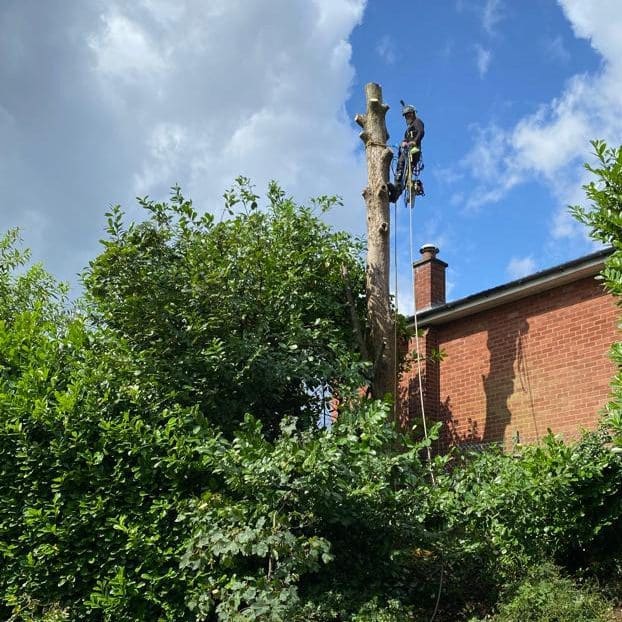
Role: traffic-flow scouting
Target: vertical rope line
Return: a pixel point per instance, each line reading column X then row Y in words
column 411, row 196
column 423, row 417
column 396, row 385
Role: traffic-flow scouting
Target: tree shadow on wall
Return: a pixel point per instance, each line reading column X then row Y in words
column 454, row 433
column 504, row 345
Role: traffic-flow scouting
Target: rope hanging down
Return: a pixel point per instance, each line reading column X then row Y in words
column 414, row 188
column 406, row 178
column 411, row 199
column 413, row 184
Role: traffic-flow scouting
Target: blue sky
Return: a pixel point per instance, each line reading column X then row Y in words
column 104, row 100
column 477, row 71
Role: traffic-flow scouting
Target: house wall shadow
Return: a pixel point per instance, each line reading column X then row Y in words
column 504, row 343
column 507, row 377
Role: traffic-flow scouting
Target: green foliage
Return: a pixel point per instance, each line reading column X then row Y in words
column 300, row 519
column 551, row 499
column 603, row 216
column 91, row 480
column 134, row 484
column 500, row 514
column 160, row 457
column 249, row 314
column 27, row 289
column 110, row 420
column 546, row 596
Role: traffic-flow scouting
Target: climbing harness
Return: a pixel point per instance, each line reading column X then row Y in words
column 414, row 186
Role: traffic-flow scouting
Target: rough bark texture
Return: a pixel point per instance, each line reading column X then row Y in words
column 376, row 195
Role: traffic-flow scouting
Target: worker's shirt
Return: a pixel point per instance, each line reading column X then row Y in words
column 415, row 132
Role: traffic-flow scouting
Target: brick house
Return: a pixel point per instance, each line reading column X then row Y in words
column 518, row 359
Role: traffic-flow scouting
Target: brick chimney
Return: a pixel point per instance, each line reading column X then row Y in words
column 429, row 279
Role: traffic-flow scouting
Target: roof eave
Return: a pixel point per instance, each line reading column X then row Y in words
column 503, row 294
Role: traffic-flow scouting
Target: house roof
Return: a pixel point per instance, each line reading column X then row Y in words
column 589, row 265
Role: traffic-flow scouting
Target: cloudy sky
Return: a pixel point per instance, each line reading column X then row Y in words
column 104, row 100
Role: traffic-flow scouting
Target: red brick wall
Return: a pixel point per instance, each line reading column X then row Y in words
column 537, row 363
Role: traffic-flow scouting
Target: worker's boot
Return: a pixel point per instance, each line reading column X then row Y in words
column 395, row 190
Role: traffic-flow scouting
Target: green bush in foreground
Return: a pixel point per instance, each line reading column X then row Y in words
column 546, row 596
column 498, row 514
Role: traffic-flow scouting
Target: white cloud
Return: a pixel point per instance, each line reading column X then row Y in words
column 550, row 144
column 256, row 90
column 489, row 12
column 520, row 267
column 129, row 98
column 492, row 14
column 483, row 58
column 556, row 48
column 491, row 165
column 124, row 49
column 386, row 50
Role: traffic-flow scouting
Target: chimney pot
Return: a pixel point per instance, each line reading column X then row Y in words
column 429, row 251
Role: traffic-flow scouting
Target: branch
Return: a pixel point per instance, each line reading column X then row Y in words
column 356, row 324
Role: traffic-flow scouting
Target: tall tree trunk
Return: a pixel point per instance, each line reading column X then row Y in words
column 376, row 195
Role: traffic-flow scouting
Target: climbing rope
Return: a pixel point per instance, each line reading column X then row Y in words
column 411, row 205
column 395, row 318
column 411, row 200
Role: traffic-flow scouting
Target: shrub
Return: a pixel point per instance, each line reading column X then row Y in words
column 546, row 596
column 307, row 519
column 499, row 514
column 136, row 486
column 110, row 418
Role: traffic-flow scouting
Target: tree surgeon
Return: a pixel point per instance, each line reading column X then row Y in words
column 409, row 153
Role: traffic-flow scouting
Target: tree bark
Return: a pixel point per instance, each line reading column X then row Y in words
column 376, row 195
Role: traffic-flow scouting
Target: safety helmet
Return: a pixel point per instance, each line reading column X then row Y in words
column 407, row 109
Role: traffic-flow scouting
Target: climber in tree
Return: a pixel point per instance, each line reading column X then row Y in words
column 410, row 147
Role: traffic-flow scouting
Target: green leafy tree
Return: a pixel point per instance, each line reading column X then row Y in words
column 249, row 314
column 603, row 216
